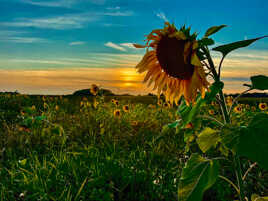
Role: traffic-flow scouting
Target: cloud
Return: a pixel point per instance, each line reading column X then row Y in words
column 162, row 16
column 77, row 43
column 115, row 46
column 19, row 37
column 24, row 40
column 62, row 3
column 119, row 13
column 68, row 21
column 128, row 45
column 74, row 21
column 113, row 8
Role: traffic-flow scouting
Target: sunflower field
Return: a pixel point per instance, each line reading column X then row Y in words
column 107, row 148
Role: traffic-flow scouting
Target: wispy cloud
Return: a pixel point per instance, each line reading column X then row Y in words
column 128, row 45
column 58, row 22
column 115, row 46
column 77, row 43
column 67, row 21
column 62, row 3
column 119, row 13
column 19, row 37
column 24, row 40
column 113, row 8
column 162, row 16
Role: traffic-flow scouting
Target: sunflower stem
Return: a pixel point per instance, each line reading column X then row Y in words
column 223, row 105
column 227, row 120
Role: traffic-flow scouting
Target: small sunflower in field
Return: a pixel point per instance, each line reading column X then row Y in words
column 159, row 102
column 117, row 113
column 229, row 100
column 263, row 106
column 173, row 64
column 253, row 108
column 126, row 108
column 116, row 102
column 151, row 106
column 33, row 107
column 213, row 103
column 238, row 109
column 57, row 107
column 211, row 112
column 134, row 123
column 84, row 99
column 247, row 106
column 94, row 89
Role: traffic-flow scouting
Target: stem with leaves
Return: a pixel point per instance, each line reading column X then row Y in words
column 226, row 117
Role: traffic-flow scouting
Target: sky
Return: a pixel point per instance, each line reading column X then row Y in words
column 59, row 46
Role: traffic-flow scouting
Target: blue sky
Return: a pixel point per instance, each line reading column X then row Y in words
column 64, row 35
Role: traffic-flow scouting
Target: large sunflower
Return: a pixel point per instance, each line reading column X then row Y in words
column 172, row 64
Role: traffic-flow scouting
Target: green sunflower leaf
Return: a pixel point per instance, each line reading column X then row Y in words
column 253, row 141
column 198, row 175
column 187, row 113
column 213, row 30
column 225, row 49
column 207, row 139
column 206, row 42
column 259, row 82
column 249, row 141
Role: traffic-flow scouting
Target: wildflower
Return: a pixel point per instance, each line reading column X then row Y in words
column 238, row 109
column 21, row 195
column 263, row 106
column 33, row 107
column 94, row 89
column 247, row 106
column 189, row 125
column 117, row 113
column 126, row 108
column 173, row 64
column 56, row 107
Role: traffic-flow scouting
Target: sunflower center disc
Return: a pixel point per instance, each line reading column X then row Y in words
column 170, row 54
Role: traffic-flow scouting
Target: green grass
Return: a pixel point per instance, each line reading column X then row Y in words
column 84, row 152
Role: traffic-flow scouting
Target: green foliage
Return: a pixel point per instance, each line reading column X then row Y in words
column 207, row 139
column 188, row 113
column 198, row 175
column 253, row 140
column 259, row 82
column 225, row 49
column 213, row 30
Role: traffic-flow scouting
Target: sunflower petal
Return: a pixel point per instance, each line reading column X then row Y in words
column 139, row 46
